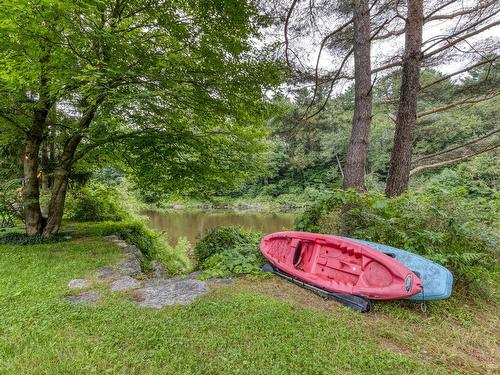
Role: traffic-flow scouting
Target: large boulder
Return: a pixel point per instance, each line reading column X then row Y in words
column 125, row 283
column 171, row 292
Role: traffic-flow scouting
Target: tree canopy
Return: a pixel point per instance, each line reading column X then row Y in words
column 177, row 81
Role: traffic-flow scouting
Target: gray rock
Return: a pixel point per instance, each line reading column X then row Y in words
column 121, row 244
column 130, row 266
column 125, row 283
column 107, row 273
column 155, row 282
column 85, row 298
column 158, row 269
column 134, row 250
column 194, row 275
column 67, row 237
column 79, row 283
column 112, row 238
column 171, row 292
column 217, row 281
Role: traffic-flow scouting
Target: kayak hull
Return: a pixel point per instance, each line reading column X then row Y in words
column 437, row 280
column 339, row 265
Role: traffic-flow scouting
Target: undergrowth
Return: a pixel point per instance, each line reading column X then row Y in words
column 229, row 251
column 152, row 244
column 443, row 226
column 23, row 239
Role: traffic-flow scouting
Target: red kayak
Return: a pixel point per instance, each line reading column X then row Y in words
column 339, row 265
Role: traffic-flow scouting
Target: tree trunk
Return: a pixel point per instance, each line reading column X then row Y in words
column 31, row 192
column 34, row 219
column 357, row 152
column 406, row 122
column 60, row 183
column 56, row 203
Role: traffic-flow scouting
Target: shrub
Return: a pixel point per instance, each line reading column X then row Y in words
column 244, row 259
column 96, row 202
column 10, row 202
column 152, row 244
column 228, row 251
column 24, row 239
column 223, row 238
column 443, row 226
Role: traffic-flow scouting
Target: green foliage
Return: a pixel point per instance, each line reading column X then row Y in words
column 310, row 153
column 244, row 259
column 152, row 244
column 23, row 239
column 443, row 226
column 175, row 89
column 222, row 238
column 176, row 259
column 96, row 202
column 478, row 177
column 228, row 251
column 10, row 204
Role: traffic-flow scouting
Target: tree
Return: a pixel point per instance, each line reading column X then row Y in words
column 89, row 77
column 470, row 22
column 406, row 121
column 357, row 152
column 350, row 28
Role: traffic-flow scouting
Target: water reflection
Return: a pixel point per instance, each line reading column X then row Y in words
column 193, row 223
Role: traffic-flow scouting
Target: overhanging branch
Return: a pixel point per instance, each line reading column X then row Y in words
column 456, row 104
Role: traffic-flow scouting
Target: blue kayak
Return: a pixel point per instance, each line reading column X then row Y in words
column 437, row 279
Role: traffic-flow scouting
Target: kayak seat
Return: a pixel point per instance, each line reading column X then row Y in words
column 303, row 256
column 297, row 255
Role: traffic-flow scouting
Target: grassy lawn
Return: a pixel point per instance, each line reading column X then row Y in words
column 264, row 326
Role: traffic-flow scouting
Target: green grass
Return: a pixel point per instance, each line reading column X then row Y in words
column 263, row 326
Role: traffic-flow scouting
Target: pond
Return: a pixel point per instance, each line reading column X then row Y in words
column 193, row 223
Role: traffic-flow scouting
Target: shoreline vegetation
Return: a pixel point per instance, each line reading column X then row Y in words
column 262, row 204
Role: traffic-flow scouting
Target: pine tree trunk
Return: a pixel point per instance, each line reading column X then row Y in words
column 357, row 152
column 406, row 122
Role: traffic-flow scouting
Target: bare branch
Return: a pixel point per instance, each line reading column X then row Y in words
column 441, row 7
column 452, row 161
column 287, row 21
column 476, row 140
column 443, row 78
column 334, row 79
column 457, row 40
column 323, row 42
column 462, row 12
column 440, row 49
column 387, row 66
column 457, row 103
column 489, row 61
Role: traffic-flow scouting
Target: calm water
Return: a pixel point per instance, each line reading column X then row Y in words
column 193, row 223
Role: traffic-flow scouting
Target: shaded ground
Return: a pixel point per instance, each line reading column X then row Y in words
column 264, row 326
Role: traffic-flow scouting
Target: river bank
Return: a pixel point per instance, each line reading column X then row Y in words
column 283, row 203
